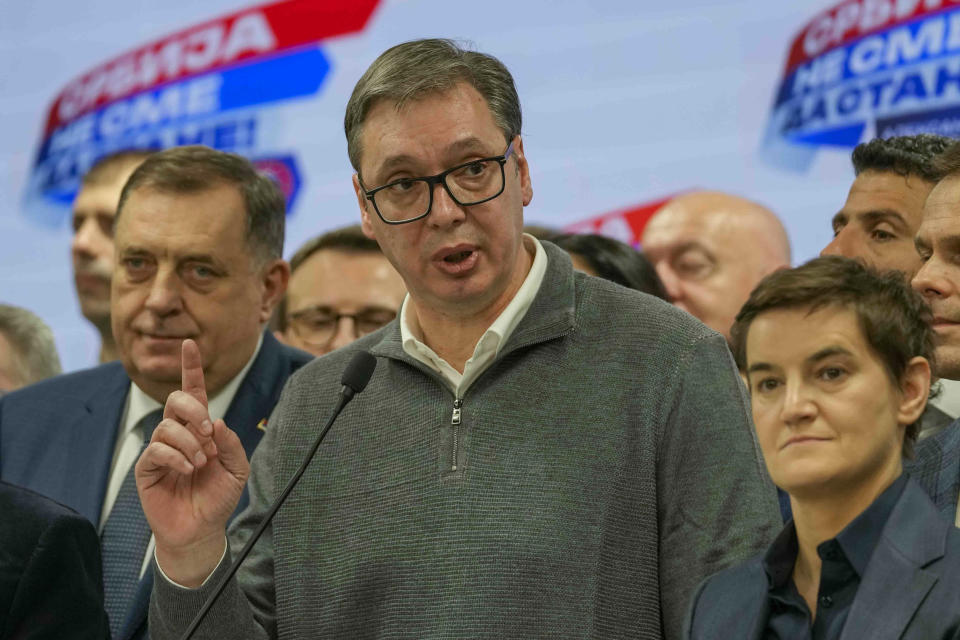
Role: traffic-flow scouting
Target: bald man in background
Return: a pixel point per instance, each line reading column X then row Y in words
column 710, row 249
column 92, row 247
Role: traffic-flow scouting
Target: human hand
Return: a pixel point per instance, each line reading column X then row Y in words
column 190, row 479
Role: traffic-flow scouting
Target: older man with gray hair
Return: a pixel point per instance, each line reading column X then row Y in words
column 27, row 351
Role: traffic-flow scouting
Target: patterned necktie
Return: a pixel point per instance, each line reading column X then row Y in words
column 125, row 538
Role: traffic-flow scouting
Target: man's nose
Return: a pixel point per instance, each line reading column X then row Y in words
column 165, row 296
column 345, row 333
column 841, row 245
column 445, row 211
column 931, row 281
column 84, row 239
column 671, row 283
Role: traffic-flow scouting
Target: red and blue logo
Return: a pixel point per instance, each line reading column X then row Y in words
column 210, row 84
column 867, row 68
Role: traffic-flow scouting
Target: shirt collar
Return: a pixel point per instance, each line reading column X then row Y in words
column 857, row 540
column 140, row 404
column 781, row 556
column 411, row 334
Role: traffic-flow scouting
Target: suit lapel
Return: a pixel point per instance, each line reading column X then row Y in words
column 257, row 394
column 895, row 583
column 92, row 441
column 732, row 604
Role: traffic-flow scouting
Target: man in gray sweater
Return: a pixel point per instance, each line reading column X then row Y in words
column 539, row 453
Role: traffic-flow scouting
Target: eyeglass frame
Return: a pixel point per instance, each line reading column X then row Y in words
column 293, row 317
column 440, row 178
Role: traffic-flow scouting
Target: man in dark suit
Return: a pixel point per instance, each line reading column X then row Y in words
column 198, row 239
column 938, row 280
column 838, row 358
column 50, row 582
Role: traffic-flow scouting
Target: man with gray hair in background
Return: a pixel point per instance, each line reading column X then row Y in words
column 197, row 256
column 27, row 351
column 538, row 454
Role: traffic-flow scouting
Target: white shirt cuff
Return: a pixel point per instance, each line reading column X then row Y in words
column 202, row 584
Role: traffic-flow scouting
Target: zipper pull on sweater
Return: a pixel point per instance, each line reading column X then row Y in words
column 455, row 419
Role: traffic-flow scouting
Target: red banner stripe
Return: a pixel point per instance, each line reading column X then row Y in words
column 275, row 27
column 849, row 21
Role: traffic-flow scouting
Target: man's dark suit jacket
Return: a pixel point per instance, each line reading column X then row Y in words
column 910, row 590
column 50, row 581
column 57, row 437
column 936, row 468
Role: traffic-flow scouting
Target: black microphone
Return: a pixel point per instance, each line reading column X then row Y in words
column 354, row 380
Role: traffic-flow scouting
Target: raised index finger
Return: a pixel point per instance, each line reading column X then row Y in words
column 191, row 380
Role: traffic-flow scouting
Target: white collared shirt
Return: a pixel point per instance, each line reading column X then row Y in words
column 130, row 437
column 488, row 347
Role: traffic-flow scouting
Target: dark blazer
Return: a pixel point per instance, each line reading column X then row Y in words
column 50, row 581
column 57, row 437
column 910, row 590
column 936, row 468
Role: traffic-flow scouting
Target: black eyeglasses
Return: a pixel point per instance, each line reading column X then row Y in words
column 410, row 199
column 317, row 325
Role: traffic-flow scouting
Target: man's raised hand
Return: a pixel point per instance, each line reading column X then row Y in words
column 190, row 479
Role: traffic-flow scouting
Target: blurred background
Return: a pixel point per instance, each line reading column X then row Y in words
column 625, row 103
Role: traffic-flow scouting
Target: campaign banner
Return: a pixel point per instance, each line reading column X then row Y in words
column 212, row 84
column 625, row 225
column 867, row 68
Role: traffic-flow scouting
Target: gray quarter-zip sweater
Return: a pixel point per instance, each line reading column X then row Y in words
column 598, row 470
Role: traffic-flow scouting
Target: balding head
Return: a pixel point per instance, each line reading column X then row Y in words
column 710, row 249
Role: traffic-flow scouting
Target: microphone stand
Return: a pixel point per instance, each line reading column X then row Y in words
column 346, row 395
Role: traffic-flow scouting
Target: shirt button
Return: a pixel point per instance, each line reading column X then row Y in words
column 826, row 602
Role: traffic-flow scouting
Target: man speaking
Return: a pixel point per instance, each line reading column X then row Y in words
column 538, row 454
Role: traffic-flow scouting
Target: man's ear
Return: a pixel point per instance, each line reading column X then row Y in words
column 914, row 390
column 523, row 169
column 366, row 223
column 275, row 276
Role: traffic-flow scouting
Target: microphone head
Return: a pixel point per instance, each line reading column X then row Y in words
column 359, row 371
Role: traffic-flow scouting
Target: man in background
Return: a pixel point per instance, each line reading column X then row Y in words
column 199, row 240
column 880, row 218
column 937, row 463
column 92, row 246
column 710, row 249
column 341, row 288
column 27, row 351
column 884, row 207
